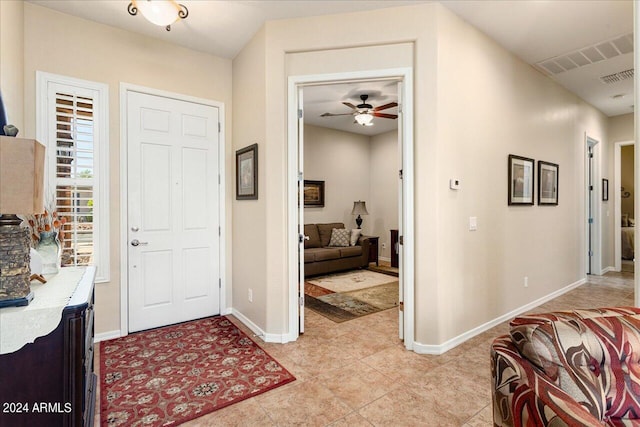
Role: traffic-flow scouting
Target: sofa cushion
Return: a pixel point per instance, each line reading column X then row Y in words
column 326, row 254
column 311, row 230
column 350, row 251
column 340, row 237
column 587, row 353
column 355, row 235
column 325, row 231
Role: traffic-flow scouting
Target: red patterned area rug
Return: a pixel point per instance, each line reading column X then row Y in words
column 166, row 376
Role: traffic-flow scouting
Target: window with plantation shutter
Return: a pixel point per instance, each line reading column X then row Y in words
column 73, row 125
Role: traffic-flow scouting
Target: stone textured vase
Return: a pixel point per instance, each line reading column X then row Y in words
column 49, row 249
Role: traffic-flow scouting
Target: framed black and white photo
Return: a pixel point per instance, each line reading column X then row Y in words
column 313, row 193
column 605, row 189
column 547, row 183
column 521, row 175
column 247, row 173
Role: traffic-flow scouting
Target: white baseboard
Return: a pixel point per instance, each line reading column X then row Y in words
column 276, row 338
column 110, row 335
column 608, row 269
column 448, row 345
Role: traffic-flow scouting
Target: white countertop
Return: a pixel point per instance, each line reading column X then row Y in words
column 22, row 325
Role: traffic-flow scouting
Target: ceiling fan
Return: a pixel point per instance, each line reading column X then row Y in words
column 364, row 113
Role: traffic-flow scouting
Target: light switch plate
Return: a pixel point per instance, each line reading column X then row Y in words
column 473, row 223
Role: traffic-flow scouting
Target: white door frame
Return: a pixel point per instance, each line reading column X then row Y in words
column 617, row 197
column 125, row 88
column 596, row 206
column 405, row 75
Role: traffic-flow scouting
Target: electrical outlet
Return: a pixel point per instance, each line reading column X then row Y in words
column 250, row 295
column 526, row 282
column 384, row 245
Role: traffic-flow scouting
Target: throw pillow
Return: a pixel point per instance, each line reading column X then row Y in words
column 625, row 220
column 340, row 237
column 355, row 235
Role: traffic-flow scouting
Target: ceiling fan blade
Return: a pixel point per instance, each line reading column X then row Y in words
column 384, row 115
column 350, row 105
column 385, row 106
column 332, row 114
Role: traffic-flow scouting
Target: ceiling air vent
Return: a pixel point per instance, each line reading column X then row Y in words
column 617, row 77
column 587, row 55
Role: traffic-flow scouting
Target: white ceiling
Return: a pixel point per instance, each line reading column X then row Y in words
column 535, row 31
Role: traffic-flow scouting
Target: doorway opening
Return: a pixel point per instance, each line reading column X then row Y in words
column 401, row 80
column 624, row 209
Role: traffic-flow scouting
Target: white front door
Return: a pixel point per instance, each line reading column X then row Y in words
column 173, row 211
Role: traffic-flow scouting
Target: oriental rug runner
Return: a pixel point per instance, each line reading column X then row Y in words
column 166, row 376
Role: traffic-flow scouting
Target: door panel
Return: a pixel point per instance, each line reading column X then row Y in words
column 173, row 212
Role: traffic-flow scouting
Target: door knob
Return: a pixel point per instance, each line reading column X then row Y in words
column 136, row 242
column 134, row 229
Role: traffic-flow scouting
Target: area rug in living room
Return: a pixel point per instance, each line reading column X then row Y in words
column 170, row 375
column 347, row 296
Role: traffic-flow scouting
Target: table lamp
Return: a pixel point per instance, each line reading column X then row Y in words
column 359, row 208
column 21, row 192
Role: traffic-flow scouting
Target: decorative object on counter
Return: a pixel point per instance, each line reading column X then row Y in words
column 10, row 130
column 22, row 178
column 47, row 233
column 359, row 208
column 159, row 12
column 35, row 265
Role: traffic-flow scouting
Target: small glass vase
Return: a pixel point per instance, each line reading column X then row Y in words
column 49, row 249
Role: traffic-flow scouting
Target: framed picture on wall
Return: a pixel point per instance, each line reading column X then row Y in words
column 521, row 175
column 547, row 183
column 313, row 193
column 247, row 173
column 605, row 189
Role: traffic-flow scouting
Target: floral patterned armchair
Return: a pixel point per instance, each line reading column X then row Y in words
column 578, row 368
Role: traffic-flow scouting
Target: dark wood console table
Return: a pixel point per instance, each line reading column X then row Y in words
column 46, row 354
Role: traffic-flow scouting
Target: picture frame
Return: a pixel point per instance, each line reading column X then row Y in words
column 605, row 190
column 313, row 193
column 548, row 178
column 521, row 175
column 247, row 173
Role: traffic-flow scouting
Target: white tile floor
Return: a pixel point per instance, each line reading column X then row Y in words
column 349, row 378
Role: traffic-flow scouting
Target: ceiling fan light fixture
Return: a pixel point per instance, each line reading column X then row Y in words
column 159, row 12
column 364, row 119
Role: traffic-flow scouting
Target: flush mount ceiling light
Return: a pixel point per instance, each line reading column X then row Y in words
column 159, row 12
column 364, row 119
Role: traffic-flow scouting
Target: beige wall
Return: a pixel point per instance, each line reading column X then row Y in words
column 490, row 105
column 475, row 103
column 12, row 61
column 341, row 160
column 249, row 225
column 621, row 128
column 384, row 182
column 70, row 46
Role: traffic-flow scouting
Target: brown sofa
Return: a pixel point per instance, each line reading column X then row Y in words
column 320, row 258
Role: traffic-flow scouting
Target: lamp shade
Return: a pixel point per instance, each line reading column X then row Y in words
column 159, row 12
column 359, row 208
column 21, row 176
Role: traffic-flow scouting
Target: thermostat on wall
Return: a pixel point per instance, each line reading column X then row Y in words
column 454, row 184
